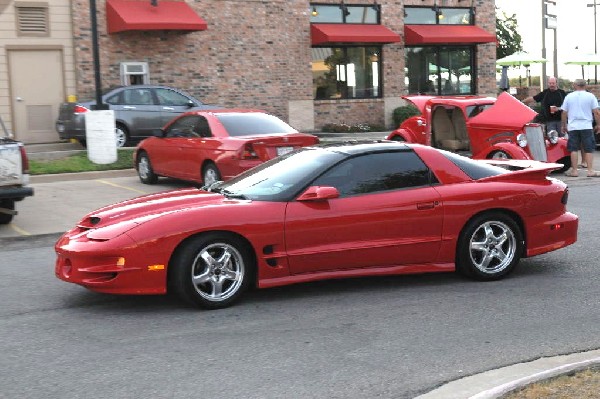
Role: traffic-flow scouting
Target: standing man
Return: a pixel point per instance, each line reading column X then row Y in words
column 580, row 108
column 551, row 100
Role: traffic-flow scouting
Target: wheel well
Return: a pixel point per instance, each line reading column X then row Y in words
column 122, row 125
column 514, row 216
column 240, row 237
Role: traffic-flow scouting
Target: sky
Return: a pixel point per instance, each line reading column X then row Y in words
column 575, row 34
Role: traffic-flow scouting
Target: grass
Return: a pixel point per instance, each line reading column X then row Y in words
column 580, row 385
column 80, row 163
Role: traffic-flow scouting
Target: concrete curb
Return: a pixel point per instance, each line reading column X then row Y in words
column 495, row 383
column 101, row 174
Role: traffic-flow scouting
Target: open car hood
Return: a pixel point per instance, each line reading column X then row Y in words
column 507, row 113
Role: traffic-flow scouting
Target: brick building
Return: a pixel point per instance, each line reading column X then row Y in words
column 311, row 63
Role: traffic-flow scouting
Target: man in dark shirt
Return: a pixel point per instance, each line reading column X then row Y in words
column 550, row 99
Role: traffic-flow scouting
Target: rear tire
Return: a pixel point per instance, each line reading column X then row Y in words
column 8, row 204
column 399, row 139
column 212, row 271
column 144, row 169
column 499, row 155
column 489, row 247
column 122, row 135
column 210, row 174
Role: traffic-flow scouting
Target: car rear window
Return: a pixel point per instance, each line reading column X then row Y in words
column 251, row 124
column 474, row 169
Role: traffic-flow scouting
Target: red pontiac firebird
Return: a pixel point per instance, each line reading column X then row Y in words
column 212, row 145
column 323, row 212
column 482, row 128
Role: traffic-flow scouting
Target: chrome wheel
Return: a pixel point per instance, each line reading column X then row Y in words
column 489, row 247
column 492, row 247
column 499, row 155
column 121, row 136
column 218, row 272
column 210, row 175
column 144, row 169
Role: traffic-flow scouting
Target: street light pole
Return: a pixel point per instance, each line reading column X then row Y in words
column 594, row 4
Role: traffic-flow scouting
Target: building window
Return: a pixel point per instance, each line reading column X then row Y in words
column 438, row 15
column 343, row 13
column 32, row 19
column 134, row 73
column 440, row 70
column 346, row 72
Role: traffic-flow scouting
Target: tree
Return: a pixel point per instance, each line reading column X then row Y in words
column 509, row 39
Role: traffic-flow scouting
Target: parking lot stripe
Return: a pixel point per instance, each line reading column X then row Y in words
column 19, row 230
column 123, row 187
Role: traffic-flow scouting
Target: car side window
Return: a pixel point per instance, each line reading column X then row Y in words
column 202, row 127
column 138, row 97
column 377, row 172
column 170, row 97
column 183, row 127
column 115, row 99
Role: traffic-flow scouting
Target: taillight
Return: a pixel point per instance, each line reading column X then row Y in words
column 24, row 160
column 80, row 109
column 249, row 152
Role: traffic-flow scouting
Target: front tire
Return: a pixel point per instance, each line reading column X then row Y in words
column 399, row 139
column 6, row 218
column 489, row 247
column 499, row 155
column 144, row 169
column 212, row 271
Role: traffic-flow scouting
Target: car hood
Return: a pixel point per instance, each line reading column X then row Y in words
column 138, row 210
column 507, row 113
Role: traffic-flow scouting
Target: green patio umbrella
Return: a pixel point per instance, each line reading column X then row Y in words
column 519, row 59
column 583, row 60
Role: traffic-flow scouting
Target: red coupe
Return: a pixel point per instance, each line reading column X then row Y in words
column 212, row 145
column 335, row 211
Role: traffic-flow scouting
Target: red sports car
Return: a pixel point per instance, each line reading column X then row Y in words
column 345, row 210
column 212, row 145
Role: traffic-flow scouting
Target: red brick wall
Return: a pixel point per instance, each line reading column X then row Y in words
column 255, row 53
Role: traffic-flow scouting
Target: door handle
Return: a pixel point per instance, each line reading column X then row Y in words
column 128, row 107
column 168, row 109
column 427, row 205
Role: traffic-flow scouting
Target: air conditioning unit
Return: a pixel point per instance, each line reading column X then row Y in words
column 134, row 73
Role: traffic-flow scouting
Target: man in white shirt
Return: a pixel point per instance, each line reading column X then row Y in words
column 580, row 108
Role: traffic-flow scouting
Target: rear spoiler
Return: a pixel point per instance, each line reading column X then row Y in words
column 522, row 169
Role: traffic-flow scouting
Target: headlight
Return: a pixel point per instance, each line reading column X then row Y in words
column 522, row 140
column 552, row 136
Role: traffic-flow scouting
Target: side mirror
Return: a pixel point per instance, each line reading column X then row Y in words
column 158, row 133
column 190, row 104
column 319, row 193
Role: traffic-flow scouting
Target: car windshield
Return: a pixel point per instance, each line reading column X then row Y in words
column 247, row 124
column 282, row 178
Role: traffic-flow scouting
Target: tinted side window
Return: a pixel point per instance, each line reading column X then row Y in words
column 170, row 97
column 378, row 172
column 183, row 127
column 202, row 127
column 474, row 169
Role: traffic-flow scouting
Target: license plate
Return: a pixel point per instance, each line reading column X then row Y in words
column 283, row 150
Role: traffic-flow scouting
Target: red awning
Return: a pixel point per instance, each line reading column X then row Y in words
column 444, row 34
column 351, row 33
column 124, row 15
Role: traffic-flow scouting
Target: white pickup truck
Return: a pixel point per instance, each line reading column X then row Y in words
column 14, row 175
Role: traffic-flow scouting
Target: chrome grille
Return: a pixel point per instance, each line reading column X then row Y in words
column 536, row 142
